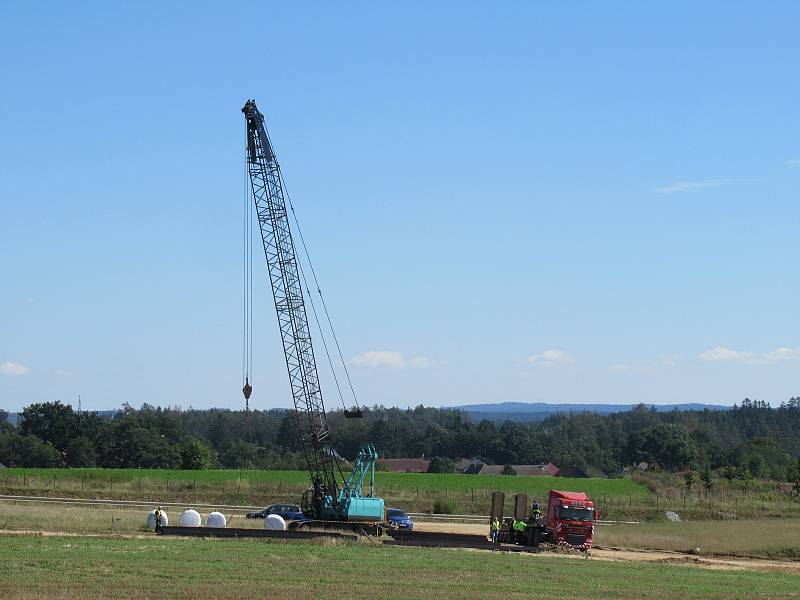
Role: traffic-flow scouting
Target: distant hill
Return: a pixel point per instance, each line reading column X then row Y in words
column 538, row 411
column 14, row 417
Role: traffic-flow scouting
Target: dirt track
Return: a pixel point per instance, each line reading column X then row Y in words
column 653, row 556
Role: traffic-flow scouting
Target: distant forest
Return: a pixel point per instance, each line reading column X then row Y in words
column 752, row 437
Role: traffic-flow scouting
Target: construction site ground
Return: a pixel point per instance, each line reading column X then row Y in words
column 43, row 519
column 642, row 555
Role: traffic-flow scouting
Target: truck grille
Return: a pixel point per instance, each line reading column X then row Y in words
column 576, row 539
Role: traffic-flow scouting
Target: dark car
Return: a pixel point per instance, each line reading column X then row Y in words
column 289, row 512
column 399, row 519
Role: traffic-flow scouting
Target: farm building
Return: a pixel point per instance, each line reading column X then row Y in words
column 526, row 470
column 404, row 465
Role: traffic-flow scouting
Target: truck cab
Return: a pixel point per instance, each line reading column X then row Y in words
column 570, row 519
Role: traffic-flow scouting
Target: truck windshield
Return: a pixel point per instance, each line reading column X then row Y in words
column 576, row 513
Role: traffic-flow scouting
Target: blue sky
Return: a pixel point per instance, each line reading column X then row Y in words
column 594, row 202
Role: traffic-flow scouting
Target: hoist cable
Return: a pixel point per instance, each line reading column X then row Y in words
column 319, row 291
column 321, row 334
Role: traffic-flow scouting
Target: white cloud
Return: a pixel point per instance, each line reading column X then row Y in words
column 551, row 358
column 630, row 369
column 668, row 361
column 420, row 362
column 12, row 368
column 721, row 354
column 782, row 354
column 692, row 186
column 793, row 161
column 390, row 359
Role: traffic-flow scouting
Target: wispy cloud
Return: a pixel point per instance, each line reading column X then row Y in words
column 793, row 161
column 63, row 373
column 551, row 358
column 649, row 367
column 720, row 354
column 12, row 368
column 624, row 369
column 376, row 359
column 693, row 186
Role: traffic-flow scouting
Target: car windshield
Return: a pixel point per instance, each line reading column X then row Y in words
column 397, row 513
column 576, row 513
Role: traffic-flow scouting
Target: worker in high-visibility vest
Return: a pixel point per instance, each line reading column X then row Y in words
column 536, row 512
column 494, row 529
column 158, row 519
column 519, row 531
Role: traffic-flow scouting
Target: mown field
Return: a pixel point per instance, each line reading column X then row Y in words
column 34, row 567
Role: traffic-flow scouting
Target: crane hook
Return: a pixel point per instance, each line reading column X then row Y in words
column 247, row 389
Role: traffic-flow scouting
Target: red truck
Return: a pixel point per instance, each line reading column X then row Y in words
column 570, row 519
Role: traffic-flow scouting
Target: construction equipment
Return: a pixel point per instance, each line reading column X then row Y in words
column 326, row 499
column 569, row 521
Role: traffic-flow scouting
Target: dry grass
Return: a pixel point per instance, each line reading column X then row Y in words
column 757, row 538
column 768, row 538
column 85, row 519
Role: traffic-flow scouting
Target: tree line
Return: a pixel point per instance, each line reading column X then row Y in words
column 751, row 436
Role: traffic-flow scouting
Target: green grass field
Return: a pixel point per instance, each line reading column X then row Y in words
column 616, row 499
column 32, row 568
column 390, row 481
column 416, row 492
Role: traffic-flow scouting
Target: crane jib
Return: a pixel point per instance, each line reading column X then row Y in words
column 268, row 194
column 326, row 499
